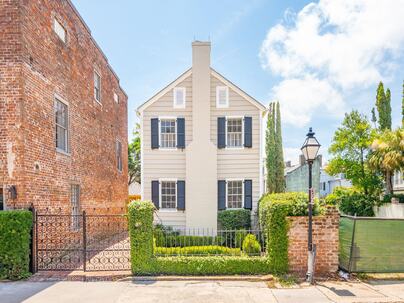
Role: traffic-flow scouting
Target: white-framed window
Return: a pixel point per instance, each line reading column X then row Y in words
column 168, row 194
column 118, row 151
column 75, row 203
column 168, row 133
column 59, row 30
column 234, row 132
column 234, row 194
column 62, row 125
column 116, row 98
column 179, row 97
column 97, row 87
column 222, row 96
column 398, row 179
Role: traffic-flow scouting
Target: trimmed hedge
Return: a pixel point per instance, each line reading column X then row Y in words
column 15, row 235
column 233, row 219
column 212, row 265
column 197, row 250
column 185, row 241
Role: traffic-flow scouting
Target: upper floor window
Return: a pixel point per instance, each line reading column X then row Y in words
column 235, row 194
column 222, row 96
column 97, row 87
column 167, row 133
column 118, row 155
column 59, row 30
column 179, row 97
column 62, row 125
column 234, row 132
column 116, row 98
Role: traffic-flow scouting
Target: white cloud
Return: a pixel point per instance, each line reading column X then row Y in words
column 292, row 154
column 340, row 45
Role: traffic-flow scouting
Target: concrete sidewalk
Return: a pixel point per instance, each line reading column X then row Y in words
column 197, row 291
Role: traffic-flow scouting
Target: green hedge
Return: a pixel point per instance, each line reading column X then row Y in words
column 15, row 235
column 184, row 241
column 212, row 265
column 233, row 219
column 197, row 250
column 251, row 246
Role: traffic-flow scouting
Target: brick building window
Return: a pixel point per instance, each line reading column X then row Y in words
column 62, row 126
column 75, row 202
column 59, row 30
column 116, row 98
column 119, row 155
column 97, row 87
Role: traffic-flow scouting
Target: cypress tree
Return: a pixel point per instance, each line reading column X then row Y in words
column 387, row 108
column 280, row 165
column 374, row 119
column 402, row 109
column 270, row 149
column 383, row 105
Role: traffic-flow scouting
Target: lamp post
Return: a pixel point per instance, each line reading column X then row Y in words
column 310, row 149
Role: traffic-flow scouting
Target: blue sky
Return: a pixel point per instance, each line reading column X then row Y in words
column 318, row 59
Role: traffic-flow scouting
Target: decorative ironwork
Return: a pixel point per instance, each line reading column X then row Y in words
column 81, row 242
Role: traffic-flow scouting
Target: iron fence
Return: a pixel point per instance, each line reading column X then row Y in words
column 370, row 244
column 207, row 242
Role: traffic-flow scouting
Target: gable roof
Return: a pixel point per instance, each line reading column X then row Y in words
column 188, row 73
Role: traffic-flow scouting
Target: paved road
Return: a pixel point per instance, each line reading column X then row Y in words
column 195, row 291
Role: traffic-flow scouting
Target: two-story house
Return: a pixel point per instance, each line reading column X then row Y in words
column 201, row 146
column 63, row 113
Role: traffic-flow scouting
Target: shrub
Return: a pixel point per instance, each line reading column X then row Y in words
column 197, row 250
column 218, row 265
column 183, row 241
column 251, row 247
column 15, row 235
column 233, row 219
column 141, row 236
column 240, row 235
column 352, row 202
column 387, row 198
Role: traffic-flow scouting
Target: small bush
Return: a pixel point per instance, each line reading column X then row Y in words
column 15, row 235
column 240, row 235
column 251, row 247
column 387, row 198
column 352, row 202
column 233, row 219
column 183, row 241
column 197, row 251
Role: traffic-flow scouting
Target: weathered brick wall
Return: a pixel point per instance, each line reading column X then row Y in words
column 47, row 67
column 325, row 236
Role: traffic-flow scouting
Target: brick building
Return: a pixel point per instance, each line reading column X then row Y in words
column 63, row 114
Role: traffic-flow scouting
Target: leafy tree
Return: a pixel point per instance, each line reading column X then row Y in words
column 270, row 149
column 349, row 148
column 134, row 157
column 383, row 105
column 280, row 164
column 387, row 155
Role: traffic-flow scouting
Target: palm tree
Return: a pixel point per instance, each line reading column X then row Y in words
column 387, row 155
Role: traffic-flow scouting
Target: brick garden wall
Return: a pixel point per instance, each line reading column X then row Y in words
column 35, row 66
column 325, row 236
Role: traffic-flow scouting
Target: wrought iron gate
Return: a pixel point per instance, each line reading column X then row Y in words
column 81, row 242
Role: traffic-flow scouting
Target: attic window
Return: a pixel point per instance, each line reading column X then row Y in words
column 59, row 30
column 179, row 97
column 222, row 96
column 116, row 98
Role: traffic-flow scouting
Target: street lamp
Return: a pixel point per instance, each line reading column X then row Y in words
column 310, row 149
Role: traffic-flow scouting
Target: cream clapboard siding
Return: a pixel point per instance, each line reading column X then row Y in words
column 237, row 163
column 159, row 163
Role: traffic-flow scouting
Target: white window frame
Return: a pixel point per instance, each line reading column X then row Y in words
column 56, row 99
column 242, row 192
column 96, row 72
column 116, row 97
column 175, row 134
column 218, row 89
column 184, row 93
column 161, row 209
column 58, row 28
column 119, row 165
column 242, row 132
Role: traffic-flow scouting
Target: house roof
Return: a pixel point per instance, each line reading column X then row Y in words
column 185, row 75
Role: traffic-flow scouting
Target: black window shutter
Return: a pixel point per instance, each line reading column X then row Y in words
column 221, row 132
column 155, row 193
column 221, row 194
column 247, row 132
column 154, row 133
column 180, row 132
column 248, row 194
column 181, row 195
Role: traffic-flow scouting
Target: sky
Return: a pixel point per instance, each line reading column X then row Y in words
column 319, row 59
